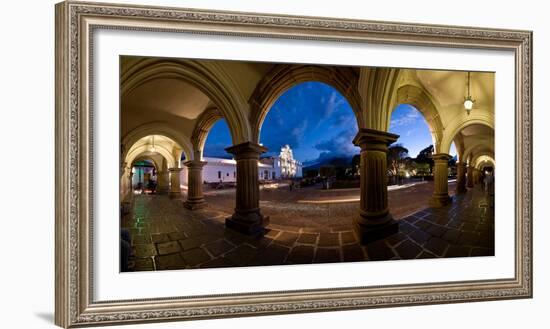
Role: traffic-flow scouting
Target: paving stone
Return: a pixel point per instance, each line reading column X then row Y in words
column 329, row 240
column 159, row 237
column 408, row 250
column 419, row 237
column 469, row 227
column 259, row 243
column 272, row 255
column 378, row 250
column 468, row 238
column 168, row 247
column 436, row 246
column 195, row 256
column 396, row 238
column 145, row 250
column 455, row 223
column 272, row 233
column 436, row 230
column 241, row 255
column 194, row 242
column 301, row 255
column 217, row 263
column 426, row 255
column 411, row 219
column 483, row 252
column 176, row 236
column 308, row 238
column 458, row 251
column 348, row 237
column 423, row 224
column 406, row 228
column 451, row 236
column 141, row 239
column 170, row 262
column 327, row 255
column 353, row 253
column 143, row 264
column 286, row 238
column 219, row 247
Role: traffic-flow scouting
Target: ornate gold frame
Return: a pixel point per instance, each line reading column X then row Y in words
column 76, row 21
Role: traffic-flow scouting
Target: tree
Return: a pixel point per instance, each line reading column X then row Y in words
column 327, row 171
column 396, row 159
column 425, row 157
column 355, row 163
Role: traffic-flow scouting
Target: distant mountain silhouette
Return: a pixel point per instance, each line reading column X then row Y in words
column 337, row 161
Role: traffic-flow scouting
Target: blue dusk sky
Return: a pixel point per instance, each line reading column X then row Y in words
column 318, row 123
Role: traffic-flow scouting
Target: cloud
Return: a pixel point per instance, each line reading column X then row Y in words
column 338, row 146
column 405, row 119
column 216, row 150
column 410, row 132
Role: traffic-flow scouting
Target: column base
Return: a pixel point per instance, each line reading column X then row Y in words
column 440, row 200
column 194, row 204
column 252, row 223
column 368, row 233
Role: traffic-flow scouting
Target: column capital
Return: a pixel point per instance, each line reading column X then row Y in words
column 370, row 139
column 246, row 150
column 195, row 164
column 441, row 157
column 175, row 169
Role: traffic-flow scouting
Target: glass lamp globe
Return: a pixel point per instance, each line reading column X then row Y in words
column 469, row 104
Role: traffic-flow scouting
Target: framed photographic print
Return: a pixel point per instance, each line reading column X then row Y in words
column 214, row 164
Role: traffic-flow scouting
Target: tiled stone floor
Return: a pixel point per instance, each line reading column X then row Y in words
column 165, row 235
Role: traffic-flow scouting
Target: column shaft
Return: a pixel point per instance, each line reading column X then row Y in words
column 374, row 221
column 195, row 197
column 441, row 186
column 247, row 217
column 163, row 184
column 461, row 177
column 470, row 175
column 175, row 189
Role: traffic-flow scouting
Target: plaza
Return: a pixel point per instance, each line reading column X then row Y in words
column 302, row 232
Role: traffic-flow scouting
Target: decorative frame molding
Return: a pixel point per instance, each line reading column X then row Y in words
column 76, row 21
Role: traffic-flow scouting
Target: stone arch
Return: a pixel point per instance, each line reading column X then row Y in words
column 482, row 159
column 475, row 149
column 202, row 127
column 157, row 128
column 454, row 127
column 283, row 77
column 460, row 147
column 420, row 99
column 209, row 79
column 141, row 157
column 140, row 151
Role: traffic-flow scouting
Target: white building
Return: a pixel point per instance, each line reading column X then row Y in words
column 284, row 165
column 270, row 168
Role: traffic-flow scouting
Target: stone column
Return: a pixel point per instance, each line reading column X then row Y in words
column 175, row 190
column 470, row 177
column 374, row 221
column 195, row 198
column 440, row 196
column 460, row 177
column 163, row 185
column 247, row 218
